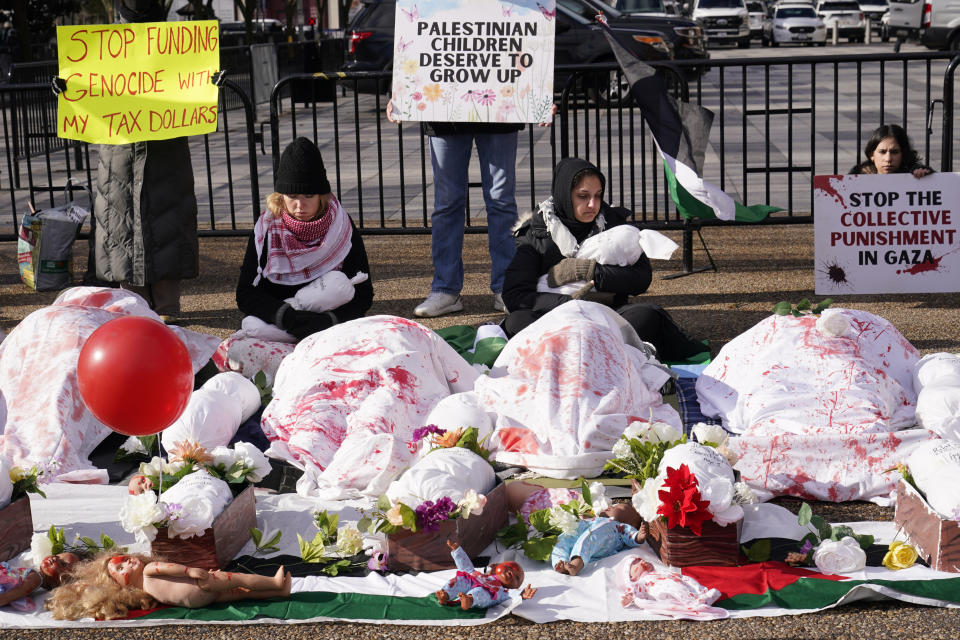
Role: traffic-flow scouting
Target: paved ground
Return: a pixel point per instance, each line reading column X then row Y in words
column 757, row 267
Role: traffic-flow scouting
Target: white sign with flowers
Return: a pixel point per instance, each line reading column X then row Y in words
column 474, row 60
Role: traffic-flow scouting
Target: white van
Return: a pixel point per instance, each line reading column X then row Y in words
column 723, row 21
column 936, row 21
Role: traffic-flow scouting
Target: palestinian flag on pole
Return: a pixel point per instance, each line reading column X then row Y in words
column 681, row 131
column 777, row 585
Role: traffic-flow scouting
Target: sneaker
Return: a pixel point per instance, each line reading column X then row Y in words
column 498, row 303
column 438, row 304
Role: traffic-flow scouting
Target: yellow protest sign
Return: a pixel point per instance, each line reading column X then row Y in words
column 132, row 82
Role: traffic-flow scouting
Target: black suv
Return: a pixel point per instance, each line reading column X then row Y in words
column 578, row 40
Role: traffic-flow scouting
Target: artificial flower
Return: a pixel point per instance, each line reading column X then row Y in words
column 394, row 516
column 743, row 494
column 349, row 540
column 254, row 462
column 189, row 451
column 17, row 474
column 655, row 432
column 133, row 445
column 423, row 432
column 720, row 493
column 139, row 515
column 563, row 520
column 378, row 561
column 712, row 434
column 621, row 448
column 728, row 453
column 430, row 514
column 41, row 546
column 223, row 458
column 647, row 500
column 472, row 504
column 840, row 556
column 598, row 496
column 900, row 556
column 681, row 502
column 192, row 516
column 448, row 439
column 833, row 323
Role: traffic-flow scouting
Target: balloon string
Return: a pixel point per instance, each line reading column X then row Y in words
column 160, row 479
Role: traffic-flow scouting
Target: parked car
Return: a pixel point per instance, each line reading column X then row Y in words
column 874, row 11
column 641, row 7
column 578, row 40
column 848, row 17
column 757, row 15
column 794, row 24
column 723, row 21
column 938, row 23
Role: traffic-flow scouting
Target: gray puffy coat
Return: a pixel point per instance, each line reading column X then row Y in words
column 146, row 213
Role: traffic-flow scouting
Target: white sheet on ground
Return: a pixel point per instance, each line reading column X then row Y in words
column 820, row 414
column 46, row 418
column 347, row 400
column 572, row 386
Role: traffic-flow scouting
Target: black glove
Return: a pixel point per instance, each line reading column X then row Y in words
column 58, row 85
column 571, row 270
column 301, row 324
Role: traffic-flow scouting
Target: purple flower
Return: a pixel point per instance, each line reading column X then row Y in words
column 806, row 548
column 377, row 561
column 486, row 97
column 430, row 514
column 423, row 432
column 172, row 510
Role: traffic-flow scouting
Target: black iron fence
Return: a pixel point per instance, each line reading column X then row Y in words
column 778, row 122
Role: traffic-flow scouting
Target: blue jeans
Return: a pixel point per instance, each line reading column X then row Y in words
column 450, row 157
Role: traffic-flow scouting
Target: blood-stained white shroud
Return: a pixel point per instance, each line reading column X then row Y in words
column 347, row 400
column 46, row 419
column 572, row 387
column 821, row 416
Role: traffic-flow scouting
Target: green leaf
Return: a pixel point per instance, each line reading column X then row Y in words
column 256, row 534
column 585, row 491
column 540, row 520
column 107, row 542
column 365, row 523
column 273, row 542
column 804, row 515
column 796, row 314
column 840, row 532
column 409, row 517
column 811, row 538
column 824, row 530
column 383, row 503
column 333, row 568
column 513, row 534
column 311, row 551
column 782, row 308
column 803, row 305
column 865, row 540
column 822, row 305
column 540, row 548
column 89, row 543
column 759, row 551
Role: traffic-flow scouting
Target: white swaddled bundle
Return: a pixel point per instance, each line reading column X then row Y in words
column 621, row 245
column 935, row 467
column 937, row 382
column 444, row 472
column 329, row 291
column 215, row 412
column 202, row 497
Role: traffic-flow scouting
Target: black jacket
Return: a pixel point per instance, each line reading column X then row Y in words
column 537, row 252
column 267, row 297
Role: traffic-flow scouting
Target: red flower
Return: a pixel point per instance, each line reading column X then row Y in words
column 680, row 501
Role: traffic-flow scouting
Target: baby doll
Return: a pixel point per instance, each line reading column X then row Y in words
column 138, row 484
column 666, row 593
column 472, row 588
column 54, row 568
column 109, row 586
column 618, row 527
column 16, row 584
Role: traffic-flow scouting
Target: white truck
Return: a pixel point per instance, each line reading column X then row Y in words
column 936, row 22
column 723, row 21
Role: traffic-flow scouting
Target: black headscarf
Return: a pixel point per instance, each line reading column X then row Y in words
column 564, row 176
column 142, row 11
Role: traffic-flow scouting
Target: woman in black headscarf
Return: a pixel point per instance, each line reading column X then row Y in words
column 546, row 244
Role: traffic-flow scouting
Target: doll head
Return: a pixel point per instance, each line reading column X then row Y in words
column 625, row 513
column 53, row 568
column 510, row 574
column 126, row 570
column 138, row 484
column 91, row 592
column 636, row 568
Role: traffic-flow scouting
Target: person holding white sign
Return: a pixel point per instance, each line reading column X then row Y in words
column 889, row 151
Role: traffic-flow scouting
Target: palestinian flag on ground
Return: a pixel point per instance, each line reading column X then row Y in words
column 775, row 584
column 681, row 131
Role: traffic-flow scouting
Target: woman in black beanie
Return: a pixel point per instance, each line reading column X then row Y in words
column 304, row 234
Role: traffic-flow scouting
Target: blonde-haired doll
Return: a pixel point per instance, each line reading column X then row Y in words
column 110, row 585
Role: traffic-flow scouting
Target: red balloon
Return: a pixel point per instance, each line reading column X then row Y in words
column 135, row 375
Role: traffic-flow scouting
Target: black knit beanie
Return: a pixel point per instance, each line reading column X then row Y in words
column 301, row 170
